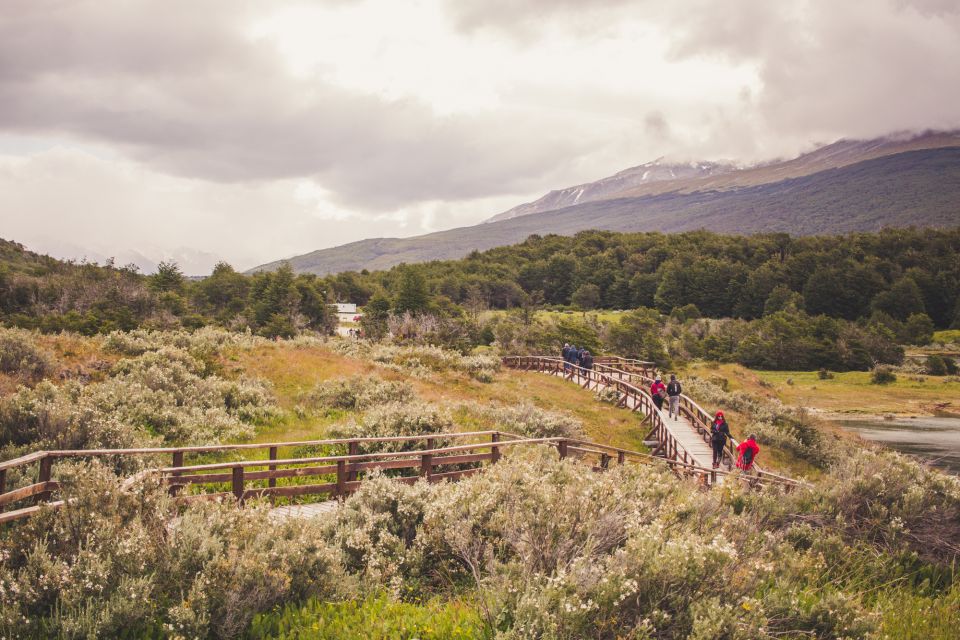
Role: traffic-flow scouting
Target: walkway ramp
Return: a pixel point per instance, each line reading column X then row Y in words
column 685, row 439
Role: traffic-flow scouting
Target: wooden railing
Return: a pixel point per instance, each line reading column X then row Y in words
column 606, row 373
column 337, row 475
column 40, row 466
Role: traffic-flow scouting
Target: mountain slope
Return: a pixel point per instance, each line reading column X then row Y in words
column 657, row 177
column 920, row 188
column 633, row 178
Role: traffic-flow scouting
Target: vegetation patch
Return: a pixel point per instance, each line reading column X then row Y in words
column 374, row 618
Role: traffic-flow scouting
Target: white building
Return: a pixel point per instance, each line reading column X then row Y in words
column 346, row 307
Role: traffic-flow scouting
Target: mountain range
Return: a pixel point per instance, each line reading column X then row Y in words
column 850, row 185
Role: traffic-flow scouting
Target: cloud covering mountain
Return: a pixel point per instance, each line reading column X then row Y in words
column 262, row 128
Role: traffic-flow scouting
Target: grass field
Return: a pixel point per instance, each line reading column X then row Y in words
column 949, row 335
column 545, row 314
column 849, row 393
column 294, row 371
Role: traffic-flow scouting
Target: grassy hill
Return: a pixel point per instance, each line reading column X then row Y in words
column 920, row 188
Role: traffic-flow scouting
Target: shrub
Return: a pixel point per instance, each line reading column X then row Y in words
column 823, row 374
column 882, row 375
column 530, row 421
column 937, row 365
column 204, row 340
column 398, row 419
column 357, row 392
column 20, row 355
column 113, row 563
column 376, row 531
column 886, row 499
column 608, row 395
column 163, row 394
column 422, row 360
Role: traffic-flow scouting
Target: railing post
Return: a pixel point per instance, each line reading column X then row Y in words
column 272, row 482
column 604, row 461
column 238, row 483
column 341, row 478
column 3, row 485
column 495, row 451
column 177, row 462
column 426, row 461
column 620, row 457
column 353, row 448
column 562, row 446
column 46, row 470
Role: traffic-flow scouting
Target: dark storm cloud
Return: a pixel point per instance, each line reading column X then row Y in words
column 181, row 87
column 185, row 92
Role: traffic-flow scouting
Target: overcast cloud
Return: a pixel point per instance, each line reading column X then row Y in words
column 250, row 130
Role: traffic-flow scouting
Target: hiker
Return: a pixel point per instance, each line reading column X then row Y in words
column 566, row 356
column 673, row 393
column 749, row 451
column 657, row 392
column 587, row 360
column 719, row 432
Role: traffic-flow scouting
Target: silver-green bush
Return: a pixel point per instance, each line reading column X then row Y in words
column 21, row 356
column 357, row 392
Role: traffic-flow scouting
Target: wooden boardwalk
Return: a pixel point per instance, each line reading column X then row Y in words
column 683, row 439
column 314, row 510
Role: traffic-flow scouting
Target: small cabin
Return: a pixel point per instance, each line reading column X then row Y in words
column 346, row 307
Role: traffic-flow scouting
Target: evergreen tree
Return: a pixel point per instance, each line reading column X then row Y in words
column 412, row 295
column 373, row 322
column 168, row 277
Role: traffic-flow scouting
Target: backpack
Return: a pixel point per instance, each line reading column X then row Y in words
column 747, row 457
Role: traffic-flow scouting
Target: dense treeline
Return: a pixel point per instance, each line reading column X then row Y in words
column 38, row 292
column 891, row 275
column 767, row 301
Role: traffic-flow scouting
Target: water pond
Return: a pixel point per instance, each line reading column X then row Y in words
column 935, row 439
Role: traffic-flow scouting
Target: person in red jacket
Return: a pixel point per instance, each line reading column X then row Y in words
column 658, row 391
column 748, row 451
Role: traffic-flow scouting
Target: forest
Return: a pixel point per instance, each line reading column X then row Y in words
column 767, row 301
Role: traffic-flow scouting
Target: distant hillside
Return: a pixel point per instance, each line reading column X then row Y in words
column 920, row 188
column 658, row 177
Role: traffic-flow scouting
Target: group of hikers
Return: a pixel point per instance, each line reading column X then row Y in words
column 576, row 357
column 719, row 430
column 671, row 393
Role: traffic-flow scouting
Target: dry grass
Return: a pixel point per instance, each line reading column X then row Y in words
column 847, row 393
column 294, row 371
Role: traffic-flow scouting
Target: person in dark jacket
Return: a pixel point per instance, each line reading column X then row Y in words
column 673, row 394
column 586, row 360
column 566, row 356
column 719, row 432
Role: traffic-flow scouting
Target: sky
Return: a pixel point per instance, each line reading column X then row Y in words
column 248, row 131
